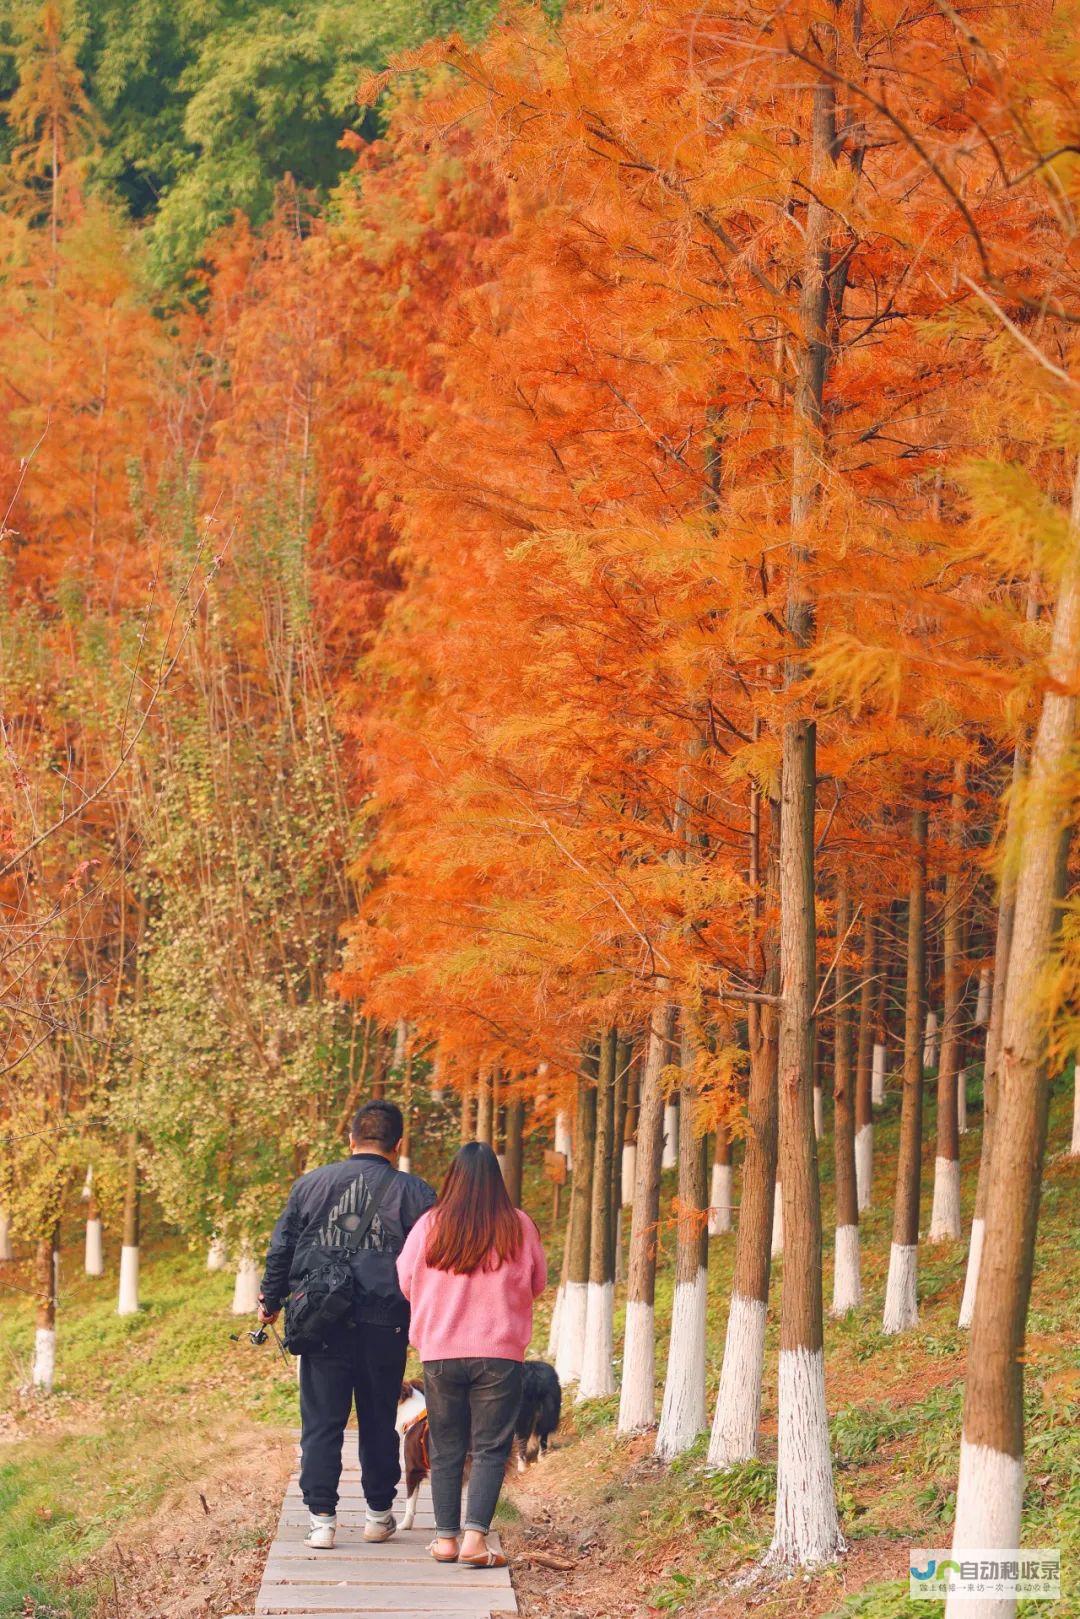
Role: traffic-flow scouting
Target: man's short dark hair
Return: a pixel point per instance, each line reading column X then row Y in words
column 379, row 1123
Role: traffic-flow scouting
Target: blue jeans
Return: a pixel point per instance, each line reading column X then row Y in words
column 472, row 1406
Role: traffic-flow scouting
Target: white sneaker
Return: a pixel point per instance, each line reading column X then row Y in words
column 322, row 1527
column 379, row 1526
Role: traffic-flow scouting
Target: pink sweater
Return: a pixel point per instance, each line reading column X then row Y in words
column 486, row 1314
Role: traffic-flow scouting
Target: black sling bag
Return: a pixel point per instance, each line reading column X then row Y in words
column 323, row 1298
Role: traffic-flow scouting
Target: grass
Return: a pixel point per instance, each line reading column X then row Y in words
column 141, row 1403
column 896, row 1407
column 145, row 1402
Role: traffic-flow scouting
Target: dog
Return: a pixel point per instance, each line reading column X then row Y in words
column 538, row 1418
column 539, row 1414
column 412, row 1425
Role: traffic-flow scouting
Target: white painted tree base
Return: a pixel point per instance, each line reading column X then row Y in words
column 819, row 1113
column 847, row 1275
column 597, row 1379
column 877, row 1077
column 217, row 1255
column 6, row 1253
column 901, row 1289
column 777, row 1222
column 864, row 1167
column 682, row 1413
column 738, row 1403
column 563, row 1139
column 930, row 1041
column 43, row 1372
column 128, row 1301
column 94, row 1258
column 671, row 1137
column 629, row 1174
column 807, row 1530
column 961, row 1102
column 553, row 1334
column 637, row 1396
column 720, row 1200
column 246, row 1288
column 982, row 1005
column 989, row 1497
column 945, row 1215
column 572, row 1332
column 971, row 1277
column 405, row 1164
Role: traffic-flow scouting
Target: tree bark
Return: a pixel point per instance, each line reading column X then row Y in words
column 682, row 1414
column 945, row 1215
column 991, row 1481
column 847, row 1283
column 864, row 1110
column 637, row 1396
column 597, row 1372
column 901, row 1292
column 575, row 1296
column 515, row 1153
column 46, row 1258
column 128, row 1302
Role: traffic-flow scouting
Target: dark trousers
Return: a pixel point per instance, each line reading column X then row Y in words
column 472, row 1406
column 364, row 1365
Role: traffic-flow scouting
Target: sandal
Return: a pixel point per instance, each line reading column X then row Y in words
column 485, row 1560
column 441, row 1557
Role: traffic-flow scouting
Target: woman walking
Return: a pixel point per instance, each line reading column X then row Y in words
column 471, row 1268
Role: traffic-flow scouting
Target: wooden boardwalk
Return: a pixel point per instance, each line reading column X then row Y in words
column 396, row 1580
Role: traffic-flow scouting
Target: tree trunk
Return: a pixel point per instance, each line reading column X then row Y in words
column 94, row 1259
column 485, row 1115
column 630, row 1127
column 6, row 1252
column 682, row 1414
column 563, row 1140
column 128, row 1302
column 847, row 1283
column 246, row 1288
column 46, row 1264
column 901, row 1291
column 575, row 1295
column 991, row 1479
column 637, row 1396
column 1002, row 951
column 468, row 1115
column 864, row 1111
column 670, row 1158
column 720, row 1198
column 945, row 1216
column 515, row 1150
column 597, row 1372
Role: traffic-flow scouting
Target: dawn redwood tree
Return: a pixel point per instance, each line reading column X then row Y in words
column 597, row 1377
column 734, row 1433
column 864, row 1109
column 637, row 1392
column 945, row 1216
column 573, row 1310
column 682, row 1413
column 847, row 1283
column 991, row 1475
column 901, row 1291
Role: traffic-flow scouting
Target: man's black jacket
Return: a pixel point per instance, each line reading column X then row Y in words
column 317, row 1204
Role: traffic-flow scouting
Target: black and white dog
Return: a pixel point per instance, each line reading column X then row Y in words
column 538, row 1418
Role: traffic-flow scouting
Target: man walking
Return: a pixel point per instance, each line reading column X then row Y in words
column 359, row 1209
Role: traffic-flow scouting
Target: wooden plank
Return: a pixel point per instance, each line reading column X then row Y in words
column 400, row 1599
column 353, row 1568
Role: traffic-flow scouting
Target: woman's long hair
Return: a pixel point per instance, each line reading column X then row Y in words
column 476, row 1227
